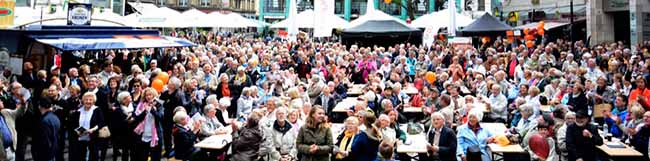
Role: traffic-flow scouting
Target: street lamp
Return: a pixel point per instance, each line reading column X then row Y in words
column 571, row 26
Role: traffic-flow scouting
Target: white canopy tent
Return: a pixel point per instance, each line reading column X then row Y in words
column 107, row 16
column 307, row 19
column 161, row 17
column 235, row 20
column 440, row 19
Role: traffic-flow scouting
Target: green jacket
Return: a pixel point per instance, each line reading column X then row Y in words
column 322, row 137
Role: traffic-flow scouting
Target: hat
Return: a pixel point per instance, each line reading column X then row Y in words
column 55, row 67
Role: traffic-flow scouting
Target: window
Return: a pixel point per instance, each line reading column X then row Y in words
column 182, row 2
column 274, row 6
column 161, row 2
column 305, row 5
column 392, row 8
column 422, row 7
column 339, row 6
column 205, row 3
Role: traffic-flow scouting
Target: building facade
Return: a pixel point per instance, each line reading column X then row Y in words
column 618, row 20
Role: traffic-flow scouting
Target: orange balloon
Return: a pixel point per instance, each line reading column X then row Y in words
column 387, row 1
column 526, row 31
column 430, row 77
column 540, row 32
column 530, row 44
column 158, row 85
column 510, row 33
column 163, row 76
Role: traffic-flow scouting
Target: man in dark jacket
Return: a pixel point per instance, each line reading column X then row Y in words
column 441, row 140
column 327, row 101
column 46, row 140
column 29, row 75
column 582, row 139
column 640, row 140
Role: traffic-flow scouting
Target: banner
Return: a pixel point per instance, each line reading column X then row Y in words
column 322, row 11
column 7, row 13
column 429, row 36
column 79, row 13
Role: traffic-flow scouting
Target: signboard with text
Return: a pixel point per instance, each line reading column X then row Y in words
column 7, row 13
column 79, row 13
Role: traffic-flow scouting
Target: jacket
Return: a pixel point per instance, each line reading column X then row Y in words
column 640, row 140
column 45, row 145
column 321, row 136
column 580, row 146
column 246, row 146
column 97, row 119
column 10, row 120
column 278, row 141
column 447, row 144
column 579, row 103
column 365, row 147
column 157, row 115
column 331, row 103
column 467, row 138
column 184, row 140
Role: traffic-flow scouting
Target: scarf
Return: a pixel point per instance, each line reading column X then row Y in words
column 140, row 128
column 225, row 90
column 346, row 143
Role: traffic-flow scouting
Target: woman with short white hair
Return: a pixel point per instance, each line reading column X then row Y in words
column 244, row 104
column 471, row 136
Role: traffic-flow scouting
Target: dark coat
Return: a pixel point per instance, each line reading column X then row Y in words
column 331, row 103
column 246, row 146
column 579, row 103
column 158, row 117
column 184, row 140
column 46, row 140
column 640, row 140
column 364, row 147
column 580, row 146
column 446, row 145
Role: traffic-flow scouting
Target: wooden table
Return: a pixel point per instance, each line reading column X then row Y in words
column 218, row 141
column 345, row 104
column 626, row 153
column 412, row 109
column 215, row 142
column 416, row 144
column 356, row 89
column 411, row 90
column 498, row 150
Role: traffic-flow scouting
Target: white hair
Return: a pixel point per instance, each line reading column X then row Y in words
column 477, row 112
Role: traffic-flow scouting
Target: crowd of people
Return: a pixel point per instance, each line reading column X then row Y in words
column 277, row 98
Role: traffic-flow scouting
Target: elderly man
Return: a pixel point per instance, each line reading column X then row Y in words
column 8, row 130
column 441, row 140
column 582, row 138
column 498, row 103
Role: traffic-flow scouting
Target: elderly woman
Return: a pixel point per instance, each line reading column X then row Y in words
column 296, row 100
column 185, row 137
column 294, row 118
column 212, row 125
column 473, row 139
column 86, row 122
column 280, row 142
column 527, row 122
column 247, row 140
column 345, row 139
column 314, row 141
column 120, row 125
column 244, row 104
column 148, row 120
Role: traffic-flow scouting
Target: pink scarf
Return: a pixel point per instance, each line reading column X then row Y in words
column 140, row 128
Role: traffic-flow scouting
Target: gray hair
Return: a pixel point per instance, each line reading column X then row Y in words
column 438, row 114
column 122, row 95
column 477, row 112
column 526, row 108
column 180, row 115
column 211, row 98
column 208, row 108
column 175, row 81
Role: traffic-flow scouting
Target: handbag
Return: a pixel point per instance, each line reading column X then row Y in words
column 104, row 132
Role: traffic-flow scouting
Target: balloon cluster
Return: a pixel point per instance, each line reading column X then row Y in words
column 160, row 81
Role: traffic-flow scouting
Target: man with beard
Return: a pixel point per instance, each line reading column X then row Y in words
column 582, row 139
